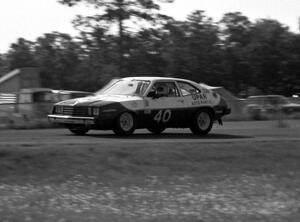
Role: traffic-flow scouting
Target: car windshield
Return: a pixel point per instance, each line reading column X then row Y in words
column 127, row 87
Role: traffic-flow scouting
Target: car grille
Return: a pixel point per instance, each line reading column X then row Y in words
column 74, row 111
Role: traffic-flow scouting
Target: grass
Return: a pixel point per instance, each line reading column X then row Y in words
column 252, row 181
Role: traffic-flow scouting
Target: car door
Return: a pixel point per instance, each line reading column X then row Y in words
column 193, row 97
column 167, row 107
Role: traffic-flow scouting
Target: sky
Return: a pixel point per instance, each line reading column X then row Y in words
column 32, row 18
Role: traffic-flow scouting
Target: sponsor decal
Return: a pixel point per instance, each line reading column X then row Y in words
column 200, row 102
column 200, row 99
column 199, row 96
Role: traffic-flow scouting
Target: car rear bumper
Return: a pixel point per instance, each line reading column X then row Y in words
column 71, row 119
column 221, row 110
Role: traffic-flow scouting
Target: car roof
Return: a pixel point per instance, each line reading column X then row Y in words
column 152, row 78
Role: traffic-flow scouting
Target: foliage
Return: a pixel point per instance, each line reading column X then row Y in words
column 120, row 12
column 4, row 65
column 234, row 52
column 57, row 55
column 21, row 54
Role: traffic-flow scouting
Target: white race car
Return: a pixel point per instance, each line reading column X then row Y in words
column 154, row 103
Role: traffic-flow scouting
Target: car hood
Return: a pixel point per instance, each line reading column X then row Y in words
column 98, row 100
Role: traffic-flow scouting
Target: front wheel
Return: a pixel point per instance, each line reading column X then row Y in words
column 78, row 129
column 202, row 123
column 125, row 124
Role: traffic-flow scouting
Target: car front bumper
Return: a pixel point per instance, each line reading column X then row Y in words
column 62, row 119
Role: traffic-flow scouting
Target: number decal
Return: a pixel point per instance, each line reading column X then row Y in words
column 166, row 116
column 157, row 117
column 163, row 115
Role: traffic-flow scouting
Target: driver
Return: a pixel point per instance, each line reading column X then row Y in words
column 162, row 90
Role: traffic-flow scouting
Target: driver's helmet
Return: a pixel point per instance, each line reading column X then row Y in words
column 162, row 90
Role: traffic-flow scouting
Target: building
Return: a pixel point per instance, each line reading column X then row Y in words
column 18, row 79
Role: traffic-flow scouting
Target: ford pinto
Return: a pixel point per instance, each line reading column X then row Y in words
column 154, row 103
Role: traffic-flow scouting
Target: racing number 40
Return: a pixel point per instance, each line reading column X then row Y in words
column 163, row 116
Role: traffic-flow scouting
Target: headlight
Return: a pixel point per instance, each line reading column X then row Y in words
column 59, row 109
column 96, row 111
column 93, row 111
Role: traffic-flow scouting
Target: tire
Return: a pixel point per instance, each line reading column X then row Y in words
column 156, row 130
column 125, row 124
column 79, row 130
column 202, row 122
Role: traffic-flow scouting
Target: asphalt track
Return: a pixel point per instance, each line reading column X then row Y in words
column 230, row 132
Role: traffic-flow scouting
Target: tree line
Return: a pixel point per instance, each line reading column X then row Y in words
column 131, row 38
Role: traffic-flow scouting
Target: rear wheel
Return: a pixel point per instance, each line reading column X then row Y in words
column 125, row 124
column 78, row 129
column 202, row 122
column 156, row 130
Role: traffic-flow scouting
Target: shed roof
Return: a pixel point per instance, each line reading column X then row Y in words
column 9, row 75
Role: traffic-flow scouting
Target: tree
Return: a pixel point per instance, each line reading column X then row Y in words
column 57, row 56
column 4, row 65
column 235, row 37
column 98, row 59
column 20, row 54
column 269, row 53
column 145, row 53
column 191, row 50
column 119, row 12
column 290, row 67
column 203, row 47
column 236, row 29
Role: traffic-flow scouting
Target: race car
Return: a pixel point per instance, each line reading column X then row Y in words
column 154, row 103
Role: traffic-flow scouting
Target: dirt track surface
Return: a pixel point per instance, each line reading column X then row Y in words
column 241, row 172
